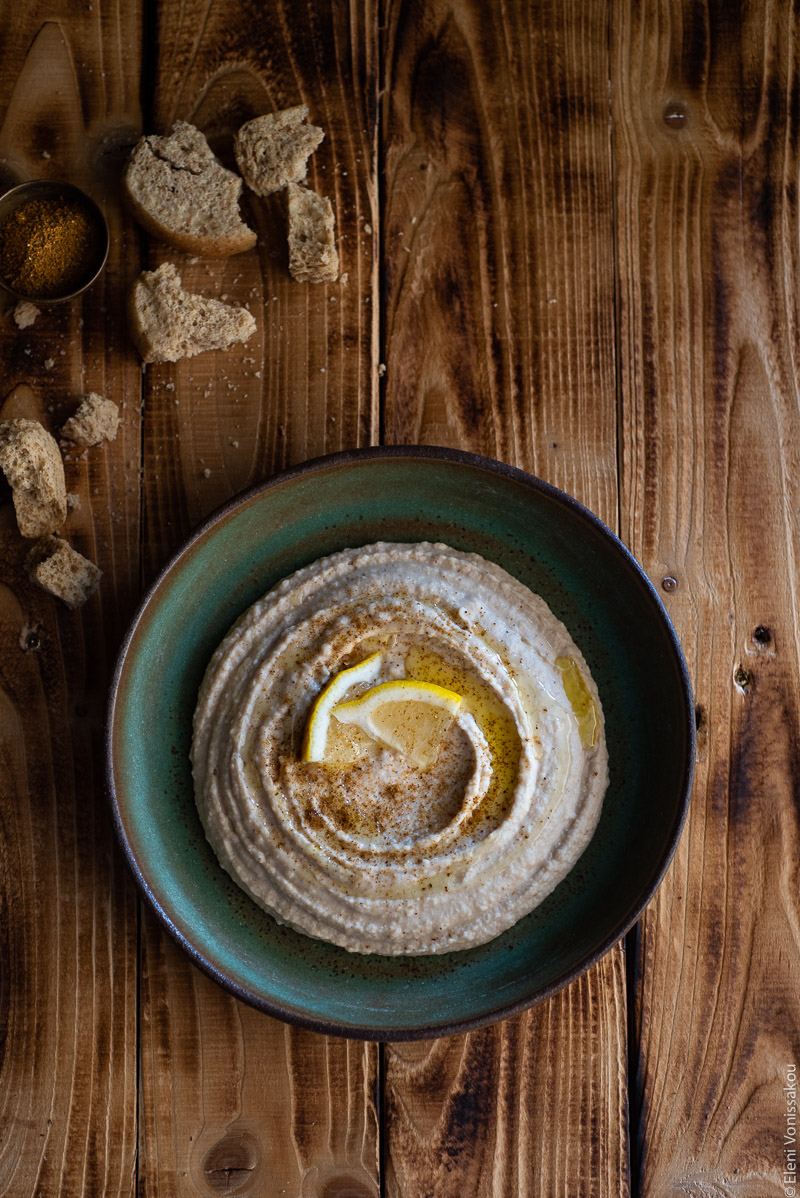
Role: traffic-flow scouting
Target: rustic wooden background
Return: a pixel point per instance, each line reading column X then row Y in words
column 569, row 232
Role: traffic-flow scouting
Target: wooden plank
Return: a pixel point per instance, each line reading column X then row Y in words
column 305, row 383
column 497, row 238
column 498, row 1111
column 69, row 97
column 498, row 251
column 233, row 1101
column 229, row 1096
column 706, row 156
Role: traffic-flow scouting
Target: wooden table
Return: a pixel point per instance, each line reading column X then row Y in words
column 569, row 240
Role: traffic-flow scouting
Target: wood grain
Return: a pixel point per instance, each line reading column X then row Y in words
column 500, row 1111
column 548, row 189
column 499, row 338
column 69, row 97
column 237, row 1103
column 498, row 240
column 233, row 1101
column 306, row 382
column 706, row 160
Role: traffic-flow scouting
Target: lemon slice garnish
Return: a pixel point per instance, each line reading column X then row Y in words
column 407, row 715
column 315, row 738
column 580, row 699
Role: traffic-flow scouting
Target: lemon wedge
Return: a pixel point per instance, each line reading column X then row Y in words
column 315, row 739
column 406, row 715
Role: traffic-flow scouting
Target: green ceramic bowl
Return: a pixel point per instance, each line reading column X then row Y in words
column 548, row 541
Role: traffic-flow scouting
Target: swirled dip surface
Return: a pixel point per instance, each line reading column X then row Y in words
column 379, row 856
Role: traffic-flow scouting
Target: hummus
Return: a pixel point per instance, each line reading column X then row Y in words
column 378, row 855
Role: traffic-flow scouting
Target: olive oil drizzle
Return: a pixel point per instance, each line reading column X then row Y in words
column 583, row 705
column 491, row 717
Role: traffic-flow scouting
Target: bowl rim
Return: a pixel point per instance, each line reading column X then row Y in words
column 621, row 927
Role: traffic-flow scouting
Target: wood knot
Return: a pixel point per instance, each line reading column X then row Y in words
column 761, row 635
column 743, row 678
column 675, row 114
column 232, row 1163
column 668, row 583
column 29, row 638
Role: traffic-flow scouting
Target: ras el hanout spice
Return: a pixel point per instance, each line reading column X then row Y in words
column 45, row 245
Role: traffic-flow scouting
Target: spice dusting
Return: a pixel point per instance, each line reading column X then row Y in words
column 44, row 247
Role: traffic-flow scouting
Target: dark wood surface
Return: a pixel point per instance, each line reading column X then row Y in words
column 569, row 240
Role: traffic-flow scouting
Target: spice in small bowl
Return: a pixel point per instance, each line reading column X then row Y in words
column 53, row 241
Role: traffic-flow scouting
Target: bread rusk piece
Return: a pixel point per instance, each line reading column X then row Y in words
column 96, row 420
column 25, row 314
column 61, row 571
column 312, row 249
column 178, row 191
column 273, row 150
column 30, row 460
column 168, row 323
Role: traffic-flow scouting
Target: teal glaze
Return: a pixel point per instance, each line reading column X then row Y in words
column 545, row 540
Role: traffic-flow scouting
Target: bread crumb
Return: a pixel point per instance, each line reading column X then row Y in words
column 180, row 192
column 49, row 363
column 96, row 420
column 381, row 369
column 168, row 323
column 61, row 571
column 206, row 473
column 73, row 501
column 25, row 314
column 312, row 249
column 30, row 460
column 273, row 150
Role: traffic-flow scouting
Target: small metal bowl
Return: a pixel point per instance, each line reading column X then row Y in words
column 47, row 189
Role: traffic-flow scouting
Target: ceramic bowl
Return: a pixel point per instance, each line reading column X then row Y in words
column 553, row 545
